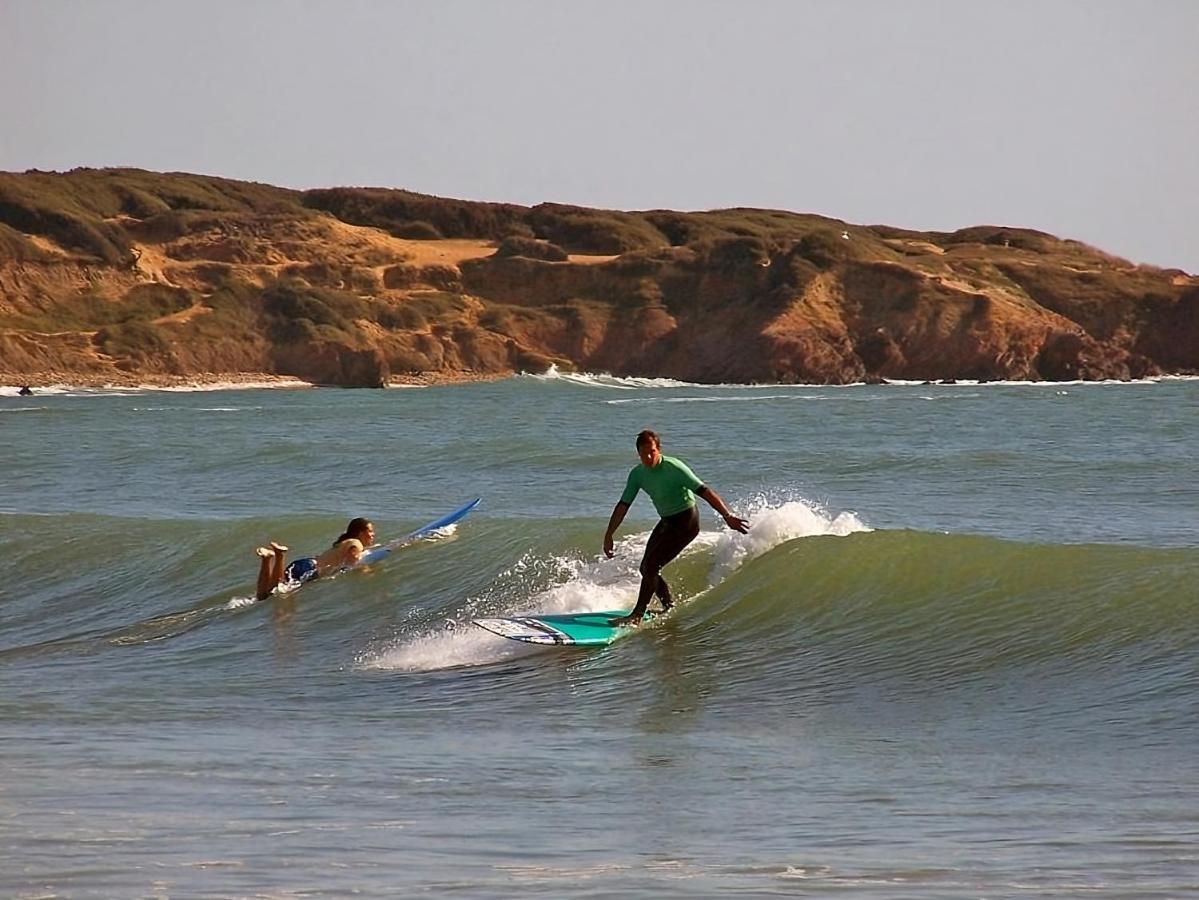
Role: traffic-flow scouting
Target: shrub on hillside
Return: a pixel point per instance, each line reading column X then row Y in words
column 16, row 247
column 72, row 208
column 104, row 240
column 1102, row 301
column 173, row 224
column 153, row 301
column 338, row 276
column 531, row 248
column 137, row 346
column 733, row 254
column 160, row 227
column 649, row 262
column 109, row 192
column 138, row 203
column 445, row 278
column 593, row 231
column 420, row 311
column 401, row 317
column 416, row 231
column 391, row 209
column 682, row 228
column 361, row 280
column 86, row 312
column 826, row 248
column 400, row 276
column 299, row 312
column 235, row 307
column 775, row 227
column 438, row 305
column 992, row 235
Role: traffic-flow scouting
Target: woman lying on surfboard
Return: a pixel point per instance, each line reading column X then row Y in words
column 673, row 488
column 346, row 551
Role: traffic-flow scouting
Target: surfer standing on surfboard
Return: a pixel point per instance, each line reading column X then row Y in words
column 346, row 551
column 672, row 486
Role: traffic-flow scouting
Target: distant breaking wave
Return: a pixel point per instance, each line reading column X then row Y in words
column 605, row 380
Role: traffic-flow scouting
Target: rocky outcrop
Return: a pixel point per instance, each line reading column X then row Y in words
column 121, row 272
column 333, row 364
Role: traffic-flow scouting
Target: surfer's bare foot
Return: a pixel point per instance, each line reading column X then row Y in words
column 624, row 620
column 264, row 552
column 667, row 605
column 278, row 548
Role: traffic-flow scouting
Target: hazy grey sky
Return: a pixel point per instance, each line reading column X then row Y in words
column 1076, row 117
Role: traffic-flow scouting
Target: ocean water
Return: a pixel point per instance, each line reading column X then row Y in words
column 956, row 656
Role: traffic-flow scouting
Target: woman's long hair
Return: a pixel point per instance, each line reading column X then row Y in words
column 355, row 528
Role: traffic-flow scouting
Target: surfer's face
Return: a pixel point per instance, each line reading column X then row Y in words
column 650, row 453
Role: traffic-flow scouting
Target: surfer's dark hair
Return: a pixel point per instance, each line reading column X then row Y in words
column 356, row 527
column 646, row 437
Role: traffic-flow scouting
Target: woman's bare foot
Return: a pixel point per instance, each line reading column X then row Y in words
column 278, row 548
column 264, row 552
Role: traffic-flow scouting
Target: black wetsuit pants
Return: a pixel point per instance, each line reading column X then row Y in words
column 666, row 541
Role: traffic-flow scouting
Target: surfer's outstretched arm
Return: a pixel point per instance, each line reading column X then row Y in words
column 713, row 500
column 618, row 514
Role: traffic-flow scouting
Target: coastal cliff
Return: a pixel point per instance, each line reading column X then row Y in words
column 122, row 275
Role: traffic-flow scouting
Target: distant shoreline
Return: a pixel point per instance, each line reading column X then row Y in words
column 214, row 381
column 63, row 381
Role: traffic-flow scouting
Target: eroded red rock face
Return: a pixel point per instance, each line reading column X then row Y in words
column 331, row 287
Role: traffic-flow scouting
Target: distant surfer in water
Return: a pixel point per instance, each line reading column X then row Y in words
column 673, row 488
column 346, row 551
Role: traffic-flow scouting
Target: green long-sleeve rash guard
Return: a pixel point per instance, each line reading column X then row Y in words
column 670, row 484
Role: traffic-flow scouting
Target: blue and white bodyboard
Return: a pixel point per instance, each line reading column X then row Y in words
column 375, row 554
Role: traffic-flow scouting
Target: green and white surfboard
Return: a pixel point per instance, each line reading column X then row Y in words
column 570, row 629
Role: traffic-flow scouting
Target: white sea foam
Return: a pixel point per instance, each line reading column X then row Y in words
column 725, row 398
column 588, row 379
column 282, row 383
column 597, row 584
column 605, row 380
column 970, row 382
column 198, row 408
column 462, row 644
column 109, row 390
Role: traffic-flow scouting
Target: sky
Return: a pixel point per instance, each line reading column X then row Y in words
column 1075, row 117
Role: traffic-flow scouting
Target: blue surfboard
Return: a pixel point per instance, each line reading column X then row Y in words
column 375, row 554
column 591, row 629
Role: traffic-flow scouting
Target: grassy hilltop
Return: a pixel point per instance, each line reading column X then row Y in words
column 127, row 275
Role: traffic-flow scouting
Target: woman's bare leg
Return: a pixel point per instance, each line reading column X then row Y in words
column 266, row 558
column 280, row 559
